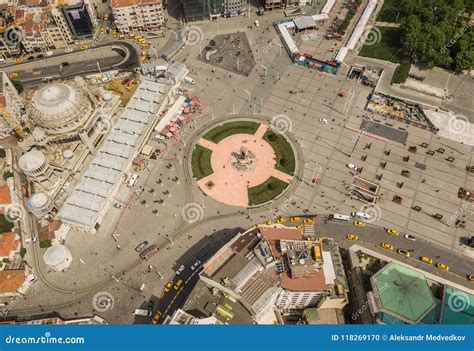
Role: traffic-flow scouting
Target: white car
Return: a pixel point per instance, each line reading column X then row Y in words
column 30, row 240
column 180, row 269
column 31, row 277
column 2, row 60
column 195, row 265
column 410, row 237
column 69, row 50
column 323, row 120
column 353, row 167
column 160, row 137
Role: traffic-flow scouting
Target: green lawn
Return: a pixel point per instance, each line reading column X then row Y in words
column 283, row 151
column 390, row 49
column 266, row 191
column 201, row 162
column 389, row 11
column 5, row 226
column 223, row 131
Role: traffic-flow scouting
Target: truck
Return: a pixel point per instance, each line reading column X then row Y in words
column 189, row 80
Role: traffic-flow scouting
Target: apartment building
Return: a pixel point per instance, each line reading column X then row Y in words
column 198, row 10
column 138, row 15
column 12, row 110
column 275, row 273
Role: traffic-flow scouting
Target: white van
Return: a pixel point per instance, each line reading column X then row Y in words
column 2, row 60
column 189, row 80
column 360, row 215
column 140, row 312
column 133, row 180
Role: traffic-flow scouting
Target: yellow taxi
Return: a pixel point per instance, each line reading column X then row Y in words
column 391, row 231
column 178, row 285
column 425, row 259
column 156, row 317
column 470, row 277
column 168, row 286
column 13, row 75
column 114, row 33
column 106, row 17
column 281, row 220
column 403, row 252
column 84, row 47
column 301, row 227
column 102, row 30
column 18, row 60
column 386, row 246
column 309, row 221
column 359, row 224
column 295, row 219
column 131, row 35
column 352, row 237
column 270, row 222
column 442, row 266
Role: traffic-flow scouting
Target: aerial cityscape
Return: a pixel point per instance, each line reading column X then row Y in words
column 237, row 162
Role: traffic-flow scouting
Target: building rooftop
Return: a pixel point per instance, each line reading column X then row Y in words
column 8, row 243
column 403, row 292
column 5, row 195
column 85, row 204
column 127, row 3
column 11, row 280
column 203, row 304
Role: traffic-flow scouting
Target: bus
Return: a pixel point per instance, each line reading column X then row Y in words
column 339, row 217
column 133, row 180
column 149, row 251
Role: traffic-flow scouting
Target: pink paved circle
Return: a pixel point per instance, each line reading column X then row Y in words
column 231, row 185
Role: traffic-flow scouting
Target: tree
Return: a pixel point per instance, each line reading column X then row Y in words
column 7, row 174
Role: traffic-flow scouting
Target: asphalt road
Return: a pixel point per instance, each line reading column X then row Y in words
column 115, row 55
column 170, row 301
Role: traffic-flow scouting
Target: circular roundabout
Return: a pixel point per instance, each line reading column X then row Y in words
column 243, row 163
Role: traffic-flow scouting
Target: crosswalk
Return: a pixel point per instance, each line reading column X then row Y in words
column 309, row 230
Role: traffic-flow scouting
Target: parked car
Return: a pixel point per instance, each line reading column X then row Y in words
column 323, row 120
column 180, row 269
column 141, row 246
column 2, row 60
column 353, row 167
column 117, row 204
column 30, row 58
column 30, row 240
column 195, row 265
column 69, row 50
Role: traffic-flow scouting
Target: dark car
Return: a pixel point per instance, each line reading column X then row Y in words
column 141, row 246
column 30, row 58
column 40, row 56
column 65, row 63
